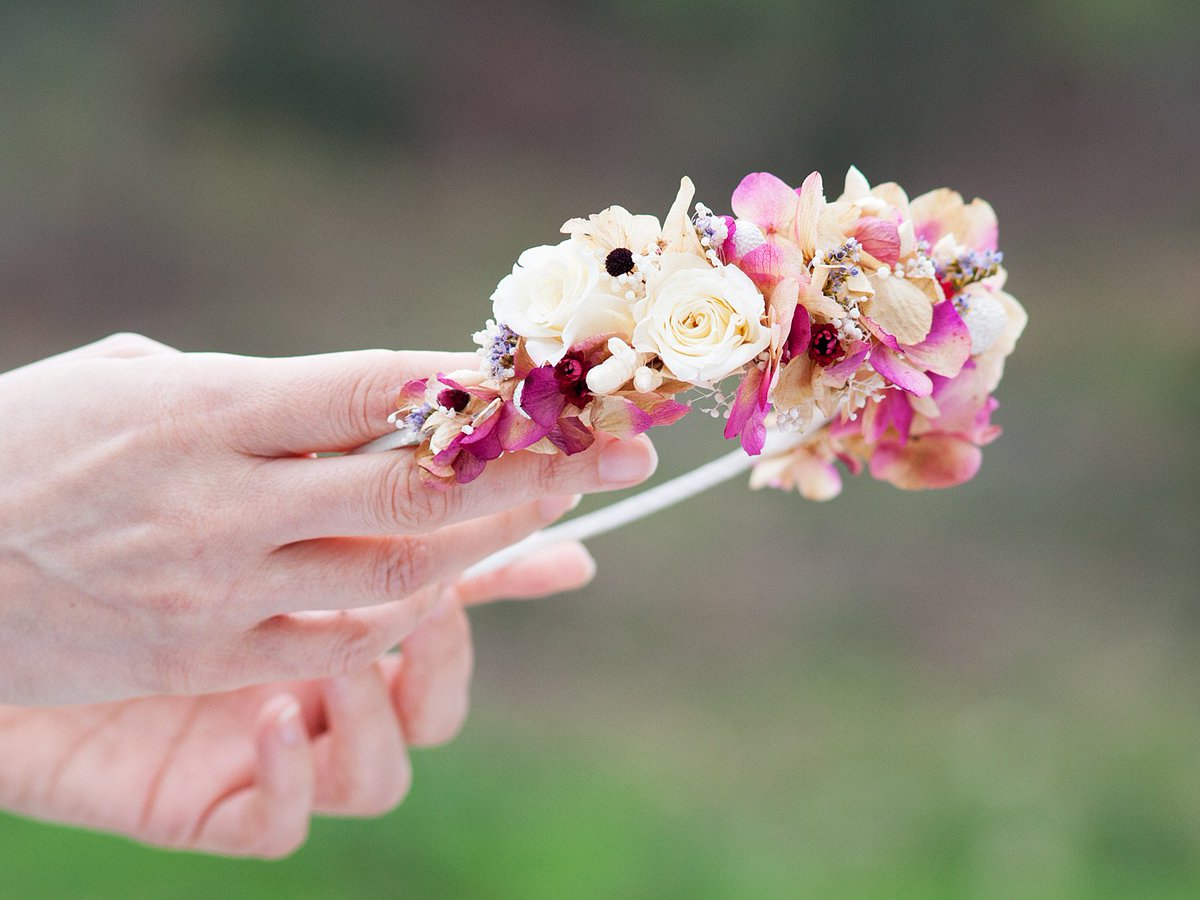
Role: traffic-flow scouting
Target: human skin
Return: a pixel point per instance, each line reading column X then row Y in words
column 243, row 772
column 166, row 528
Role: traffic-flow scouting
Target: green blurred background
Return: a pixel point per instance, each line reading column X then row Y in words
column 986, row 692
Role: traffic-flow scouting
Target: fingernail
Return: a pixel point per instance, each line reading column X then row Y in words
column 627, row 462
column 553, row 507
column 289, row 724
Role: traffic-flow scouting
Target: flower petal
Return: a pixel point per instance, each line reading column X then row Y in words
column 841, row 371
column 928, row 461
column 540, row 397
column 467, row 467
column 766, row 201
column 856, row 186
column 516, row 430
column 808, row 213
column 747, row 417
column 893, row 411
column 799, row 335
column 571, row 436
column 678, row 233
column 901, row 309
column 484, row 440
column 948, row 345
column 412, row 394
column 663, row 410
column 880, row 238
column 943, row 212
column 896, row 369
column 769, row 264
column 619, row 417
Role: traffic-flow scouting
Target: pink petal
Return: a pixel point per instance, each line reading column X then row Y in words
column 729, row 248
column 799, row 336
column 892, row 366
column 467, row 468
column 571, row 436
column 880, row 238
column 661, row 410
column 964, row 406
column 769, row 264
column 816, row 478
column 748, row 414
column 541, row 398
column 948, row 345
column 879, row 334
column 517, row 431
column 484, row 441
column 619, row 417
column 412, row 394
column 929, row 461
column 893, row 411
column 764, row 265
column 839, row 372
column 765, row 200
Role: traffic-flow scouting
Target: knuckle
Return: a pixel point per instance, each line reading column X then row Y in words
column 408, row 503
column 404, row 566
column 355, row 646
column 370, row 398
column 555, row 469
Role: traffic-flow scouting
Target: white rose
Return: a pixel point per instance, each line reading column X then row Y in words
column 704, row 323
column 556, row 297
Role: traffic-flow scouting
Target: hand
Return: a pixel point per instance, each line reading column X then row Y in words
column 165, row 529
column 242, row 772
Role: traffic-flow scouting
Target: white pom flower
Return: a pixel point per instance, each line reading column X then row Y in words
column 746, row 237
column 985, row 319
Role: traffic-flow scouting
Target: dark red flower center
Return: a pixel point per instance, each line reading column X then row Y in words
column 619, row 262
column 570, row 373
column 452, row 398
column 824, row 346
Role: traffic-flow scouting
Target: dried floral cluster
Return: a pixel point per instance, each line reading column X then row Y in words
column 881, row 320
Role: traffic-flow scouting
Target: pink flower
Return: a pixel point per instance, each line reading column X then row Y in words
column 937, row 445
column 911, row 367
column 767, row 240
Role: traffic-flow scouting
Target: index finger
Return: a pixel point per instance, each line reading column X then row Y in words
column 332, row 402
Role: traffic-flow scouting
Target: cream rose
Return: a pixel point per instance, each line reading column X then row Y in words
column 704, row 323
column 556, row 297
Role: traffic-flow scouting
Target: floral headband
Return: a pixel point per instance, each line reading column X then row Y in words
column 869, row 330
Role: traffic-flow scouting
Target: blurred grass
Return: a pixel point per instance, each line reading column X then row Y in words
column 986, row 692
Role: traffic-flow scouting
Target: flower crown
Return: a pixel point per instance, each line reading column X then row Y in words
column 872, row 327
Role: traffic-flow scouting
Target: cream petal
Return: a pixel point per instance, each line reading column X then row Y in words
column 808, row 214
column 893, row 195
column 678, row 233
column 857, row 185
column 901, row 309
column 943, row 211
